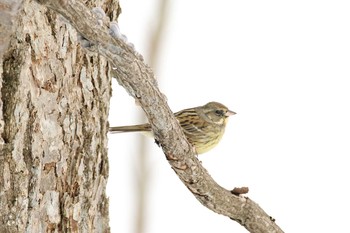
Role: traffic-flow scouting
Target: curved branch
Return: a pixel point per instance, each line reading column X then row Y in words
column 138, row 79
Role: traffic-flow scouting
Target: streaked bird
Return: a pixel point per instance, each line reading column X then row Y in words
column 203, row 126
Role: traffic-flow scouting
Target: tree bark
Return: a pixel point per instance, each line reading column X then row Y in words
column 54, row 103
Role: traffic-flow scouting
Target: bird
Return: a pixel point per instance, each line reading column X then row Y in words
column 203, row 126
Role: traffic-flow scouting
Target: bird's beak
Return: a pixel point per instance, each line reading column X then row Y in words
column 229, row 113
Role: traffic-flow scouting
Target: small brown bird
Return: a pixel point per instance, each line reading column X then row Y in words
column 203, row 126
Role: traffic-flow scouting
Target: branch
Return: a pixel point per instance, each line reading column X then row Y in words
column 138, row 79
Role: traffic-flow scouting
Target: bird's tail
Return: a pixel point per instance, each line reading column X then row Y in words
column 130, row 128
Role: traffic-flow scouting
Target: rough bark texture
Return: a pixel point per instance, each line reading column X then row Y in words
column 8, row 13
column 54, row 103
column 138, row 79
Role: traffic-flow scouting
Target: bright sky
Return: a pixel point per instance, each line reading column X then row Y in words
column 284, row 67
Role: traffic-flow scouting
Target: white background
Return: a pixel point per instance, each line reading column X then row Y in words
column 283, row 66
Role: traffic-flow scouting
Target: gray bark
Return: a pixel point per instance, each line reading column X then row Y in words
column 54, row 103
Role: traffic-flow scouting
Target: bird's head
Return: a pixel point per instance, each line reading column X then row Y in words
column 217, row 113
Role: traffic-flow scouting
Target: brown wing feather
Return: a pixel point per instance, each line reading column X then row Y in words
column 202, row 134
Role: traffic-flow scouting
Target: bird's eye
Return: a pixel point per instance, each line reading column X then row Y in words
column 219, row 112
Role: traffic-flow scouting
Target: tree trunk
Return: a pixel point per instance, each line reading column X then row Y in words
column 54, row 103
